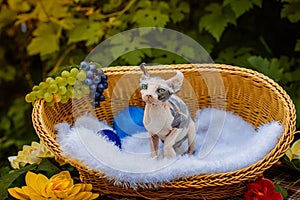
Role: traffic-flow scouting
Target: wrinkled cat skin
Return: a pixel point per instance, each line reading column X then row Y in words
column 166, row 116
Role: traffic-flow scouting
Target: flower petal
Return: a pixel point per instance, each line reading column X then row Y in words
column 81, row 196
column 42, row 181
column 30, row 191
column 276, row 196
column 296, row 147
column 289, row 154
column 75, row 190
column 62, row 175
column 84, row 187
column 17, row 193
column 95, row 196
column 35, row 197
column 33, row 180
column 268, row 184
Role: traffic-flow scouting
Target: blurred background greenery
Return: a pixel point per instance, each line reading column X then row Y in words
column 40, row 37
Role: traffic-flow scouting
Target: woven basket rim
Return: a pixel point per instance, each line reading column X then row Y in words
column 202, row 180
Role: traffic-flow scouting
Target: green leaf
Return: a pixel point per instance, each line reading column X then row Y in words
column 86, row 30
column 54, row 8
column 125, row 44
column 291, row 11
column 45, row 11
column 241, row 6
column 297, row 47
column 8, row 179
column 7, row 73
column 46, row 40
column 166, row 57
column 217, row 19
column 186, row 51
column 282, row 190
column 178, row 9
column 235, row 55
column 19, row 5
column 271, row 68
column 134, row 57
column 17, row 112
column 5, row 123
column 48, row 167
column 258, row 62
column 152, row 14
column 7, row 16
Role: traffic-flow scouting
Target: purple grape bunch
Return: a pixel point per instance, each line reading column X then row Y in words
column 97, row 82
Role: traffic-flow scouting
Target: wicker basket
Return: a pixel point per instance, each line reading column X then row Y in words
column 247, row 93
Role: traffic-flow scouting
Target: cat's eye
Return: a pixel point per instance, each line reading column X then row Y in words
column 144, row 86
column 160, row 90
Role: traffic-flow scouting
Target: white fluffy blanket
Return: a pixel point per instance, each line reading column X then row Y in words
column 225, row 142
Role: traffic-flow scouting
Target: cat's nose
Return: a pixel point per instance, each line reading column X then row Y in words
column 148, row 96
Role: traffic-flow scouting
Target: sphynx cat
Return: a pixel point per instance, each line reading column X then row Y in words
column 166, row 116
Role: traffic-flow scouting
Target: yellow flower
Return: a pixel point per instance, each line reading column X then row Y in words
column 58, row 187
column 294, row 151
column 30, row 155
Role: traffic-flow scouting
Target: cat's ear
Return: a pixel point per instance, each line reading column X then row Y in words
column 176, row 82
column 145, row 74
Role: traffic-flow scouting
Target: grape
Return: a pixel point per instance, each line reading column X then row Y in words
column 60, row 81
column 96, row 104
column 71, row 80
column 97, row 95
column 74, row 72
column 35, row 88
column 97, row 82
column 81, row 76
column 100, row 87
column 93, row 88
column 42, row 85
column 40, row 94
column 28, row 98
column 64, row 99
column 88, row 81
column 105, row 85
column 85, row 89
column 99, row 72
column 102, row 98
column 84, row 65
column 53, row 88
column 48, row 97
column 93, row 68
column 97, row 79
column 104, row 77
column 49, row 80
column 65, row 74
column 62, row 90
column 69, row 93
column 89, row 74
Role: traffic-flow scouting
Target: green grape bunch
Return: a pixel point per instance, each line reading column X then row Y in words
column 60, row 88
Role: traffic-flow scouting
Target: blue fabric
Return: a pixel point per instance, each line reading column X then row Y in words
column 111, row 136
column 129, row 121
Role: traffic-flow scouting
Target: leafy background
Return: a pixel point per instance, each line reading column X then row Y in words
column 40, row 37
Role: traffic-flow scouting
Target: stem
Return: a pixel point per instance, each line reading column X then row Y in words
column 294, row 183
column 264, row 43
column 121, row 12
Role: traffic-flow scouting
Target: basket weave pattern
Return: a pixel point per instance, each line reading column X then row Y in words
column 245, row 92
